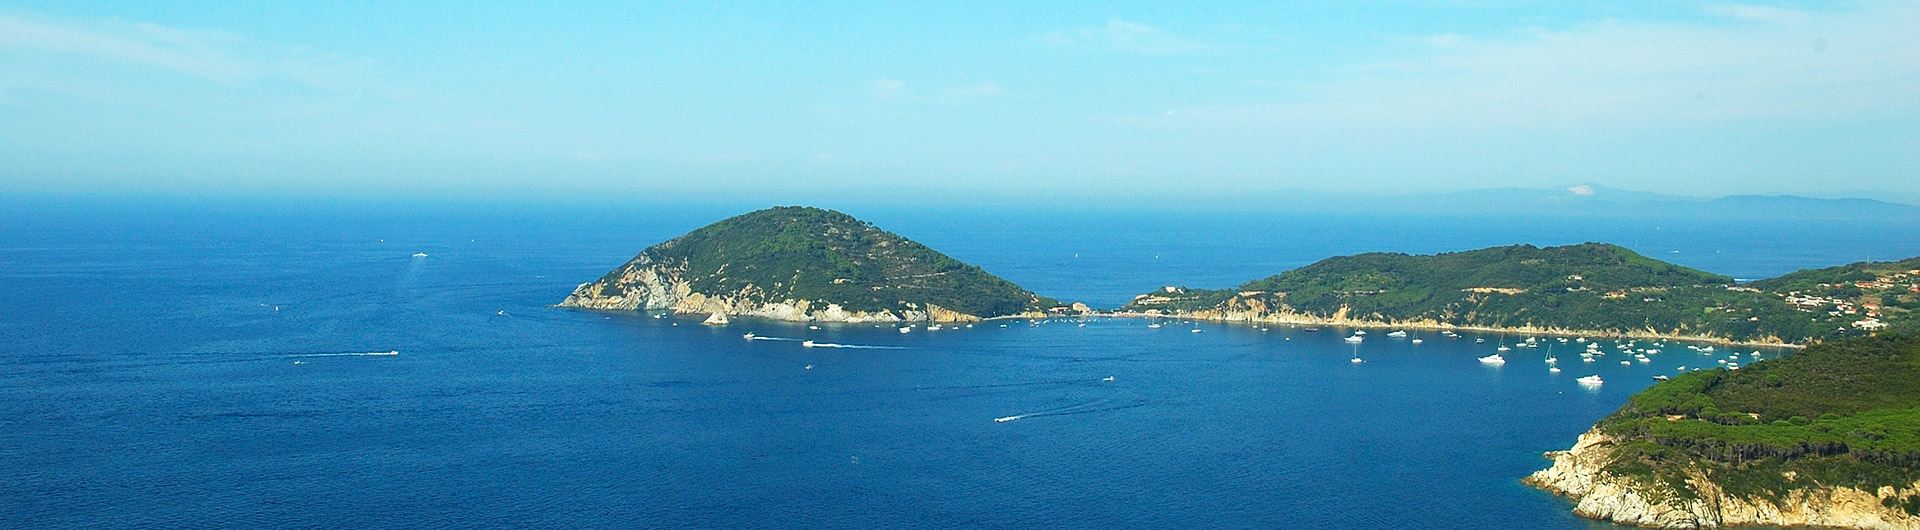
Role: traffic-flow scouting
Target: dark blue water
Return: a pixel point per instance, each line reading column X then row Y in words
column 168, row 365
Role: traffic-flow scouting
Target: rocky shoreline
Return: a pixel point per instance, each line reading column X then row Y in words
column 1341, row 320
column 1578, row 474
column 648, row 288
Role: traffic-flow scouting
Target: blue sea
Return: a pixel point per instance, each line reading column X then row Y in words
column 182, row 364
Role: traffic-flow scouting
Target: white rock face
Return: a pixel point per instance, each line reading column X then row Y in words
column 1576, row 473
column 648, row 286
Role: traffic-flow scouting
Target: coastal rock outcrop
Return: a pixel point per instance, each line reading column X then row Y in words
column 1579, row 473
column 1823, row 438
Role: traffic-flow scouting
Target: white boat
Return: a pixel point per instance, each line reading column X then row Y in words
column 1360, row 332
column 1479, row 341
column 935, row 327
column 1109, row 378
column 1626, row 363
column 1659, row 378
column 394, row 352
column 1416, row 341
column 1355, row 338
column 1397, row 334
column 1494, row 359
column 1551, row 360
column 419, row 254
column 1153, row 326
column 1503, row 348
column 806, row 344
column 1593, row 380
column 748, row 336
column 1006, row 419
column 1555, row 369
column 1356, row 360
column 906, row 329
column 716, row 319
column 1196, row 330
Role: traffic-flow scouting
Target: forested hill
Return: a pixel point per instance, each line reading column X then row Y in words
column 791, row 255
column 1591, row 286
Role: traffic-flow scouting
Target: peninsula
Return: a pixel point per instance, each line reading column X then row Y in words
column 805, row 264
column 1589, row 289
column 1827, row 437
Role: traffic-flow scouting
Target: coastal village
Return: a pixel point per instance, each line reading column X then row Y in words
column 1869, row 308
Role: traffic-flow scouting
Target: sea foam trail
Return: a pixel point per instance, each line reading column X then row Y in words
column 855, row 346
column 1098, row 405
column 347, row 354
column 812, row 344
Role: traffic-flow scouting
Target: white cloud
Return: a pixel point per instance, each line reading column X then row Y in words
column 1121, row 35
column 980, row 90
column 884, row 88
column 207, row 55
column 1761, row 63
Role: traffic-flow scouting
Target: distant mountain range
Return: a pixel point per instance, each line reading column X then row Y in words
column 1589, row 199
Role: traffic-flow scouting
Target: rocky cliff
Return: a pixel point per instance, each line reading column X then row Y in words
column 1580, row 474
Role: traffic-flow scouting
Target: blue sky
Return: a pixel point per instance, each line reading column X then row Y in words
column 625, row 99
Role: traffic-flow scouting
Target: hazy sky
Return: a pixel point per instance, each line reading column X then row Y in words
column 619, row 99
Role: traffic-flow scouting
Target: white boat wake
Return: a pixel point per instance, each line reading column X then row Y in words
column 812, row 344
column 348, row 354
column 1083, row 408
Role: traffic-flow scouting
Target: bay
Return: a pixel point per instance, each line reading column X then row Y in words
column 180, row 365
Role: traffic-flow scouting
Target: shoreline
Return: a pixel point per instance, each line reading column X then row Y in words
column 1291, row 320
column 1297, row 319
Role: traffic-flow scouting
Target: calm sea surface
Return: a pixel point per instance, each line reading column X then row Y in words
column 189, row 366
